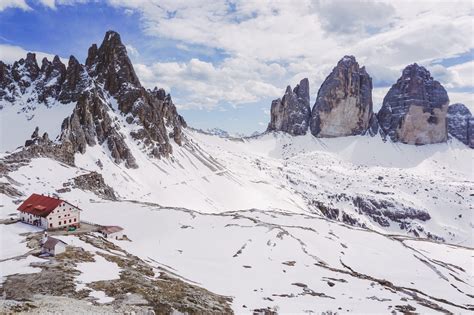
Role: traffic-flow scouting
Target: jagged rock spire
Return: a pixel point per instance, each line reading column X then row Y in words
column 291, row 113
column 343, row 106
column 110, row 64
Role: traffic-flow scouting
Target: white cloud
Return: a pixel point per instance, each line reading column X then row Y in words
column 20, row 4
column 272, row 43
column 457, row 76
column 132, row 51
column 462, row 97
column 362, row 17
column 48, row 3
column 201, row 84
column 300, row 39
column 9, row 54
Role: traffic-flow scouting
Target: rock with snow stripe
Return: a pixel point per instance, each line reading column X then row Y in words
column 461, row 124
column 343, row 105
column 414, row 109
column 292, row 112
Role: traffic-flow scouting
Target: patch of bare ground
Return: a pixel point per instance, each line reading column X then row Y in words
column 160, row 290
column 141, row 288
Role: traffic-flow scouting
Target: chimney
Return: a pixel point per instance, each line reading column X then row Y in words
column 45, row 237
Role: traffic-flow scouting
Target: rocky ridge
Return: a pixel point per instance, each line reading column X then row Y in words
column 108, row 97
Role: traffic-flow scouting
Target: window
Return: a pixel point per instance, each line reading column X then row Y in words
column 65, row 222
column 59, row 216
column 74, row 219
column 69, row 220
column 59, row 223
column 51, row 225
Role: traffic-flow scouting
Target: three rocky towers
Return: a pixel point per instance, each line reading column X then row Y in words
column 415, row 110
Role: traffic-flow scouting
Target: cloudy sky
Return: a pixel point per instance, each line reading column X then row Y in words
column 224, row 61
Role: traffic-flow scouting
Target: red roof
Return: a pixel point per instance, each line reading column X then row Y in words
column 40, row 205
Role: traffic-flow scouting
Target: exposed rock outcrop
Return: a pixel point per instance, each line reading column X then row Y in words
column 153, row 111
column 94, row 182
column 344, row 103
column 111, row 104
column 36, row 139
column 89, row 124
column 461, row 124
column 76, row 81
column 414, row 109
column 291, row 113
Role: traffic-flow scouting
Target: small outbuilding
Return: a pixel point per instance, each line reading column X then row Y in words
column 53, row 246
column 112, row 231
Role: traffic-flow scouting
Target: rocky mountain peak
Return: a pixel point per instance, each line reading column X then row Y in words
column 292, row 112
column 302, row 91
column 110, row 64
column 461, row 123
column 414, row 109
column 343, row 105
column 111, row 106
column 31, row 65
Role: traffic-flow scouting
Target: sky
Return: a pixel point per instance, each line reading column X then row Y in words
column 224, row 61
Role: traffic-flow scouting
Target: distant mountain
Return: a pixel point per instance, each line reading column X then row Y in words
column 218, row 132
column 414, row 111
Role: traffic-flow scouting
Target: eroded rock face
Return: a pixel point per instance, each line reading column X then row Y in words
column 344, row 103
column 91, row 124
column 461, row 124
column 414, row 109
column 94, row 182
column 153, row 111
column 108, row 96
column 291, row 113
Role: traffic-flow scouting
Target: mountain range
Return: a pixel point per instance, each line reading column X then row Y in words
column 334, row 208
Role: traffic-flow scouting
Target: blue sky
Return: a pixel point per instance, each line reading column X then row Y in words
column 224, row 61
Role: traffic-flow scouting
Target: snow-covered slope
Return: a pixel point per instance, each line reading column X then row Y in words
column 423, row 191
column 247, row 218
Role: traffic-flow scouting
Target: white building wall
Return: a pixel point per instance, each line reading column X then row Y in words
column 59, row 248
column 33, row 219
column 64, row 215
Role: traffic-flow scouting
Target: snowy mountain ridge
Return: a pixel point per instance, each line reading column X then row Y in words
column 379, row 226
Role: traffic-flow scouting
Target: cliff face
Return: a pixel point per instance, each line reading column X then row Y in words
column 461, row 124
column 291, row 113
column 414, row 109
column 344, row 103
column 110, row 102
